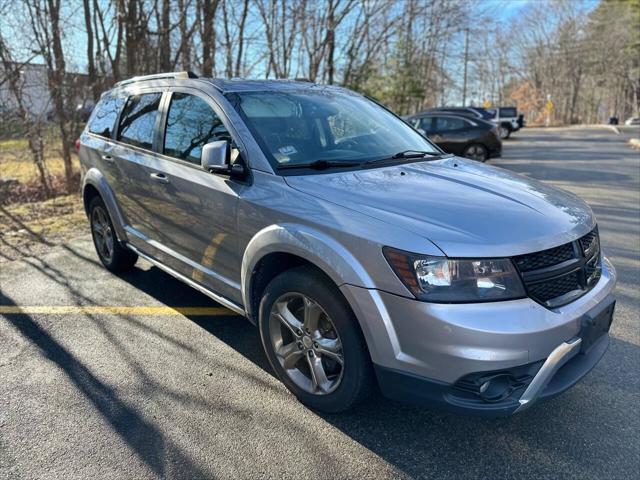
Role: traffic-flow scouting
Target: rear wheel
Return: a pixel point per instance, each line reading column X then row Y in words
column 477, row 152
column 505, row 132
column 313, row 341
column 113, row 256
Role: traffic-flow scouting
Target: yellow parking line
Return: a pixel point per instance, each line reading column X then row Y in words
column 116, row 310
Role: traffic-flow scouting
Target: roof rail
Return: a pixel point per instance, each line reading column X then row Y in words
column 157, row 76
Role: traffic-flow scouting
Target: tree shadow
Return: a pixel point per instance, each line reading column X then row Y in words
column 423, row 442
column 145, row 439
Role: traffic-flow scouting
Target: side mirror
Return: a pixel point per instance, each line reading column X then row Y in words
column 215, row 157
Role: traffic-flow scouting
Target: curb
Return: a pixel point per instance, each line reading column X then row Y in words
column 611, row 128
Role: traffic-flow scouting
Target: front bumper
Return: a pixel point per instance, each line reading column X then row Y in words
column 563, row 369
column 421, row 350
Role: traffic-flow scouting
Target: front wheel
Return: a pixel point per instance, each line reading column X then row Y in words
column 505, row 132
column 476, row 152
column 313, row 341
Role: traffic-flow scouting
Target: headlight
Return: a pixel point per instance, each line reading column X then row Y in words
column 444, row 280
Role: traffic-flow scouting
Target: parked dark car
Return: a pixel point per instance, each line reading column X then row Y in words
column 468, row 137
column 506, row 118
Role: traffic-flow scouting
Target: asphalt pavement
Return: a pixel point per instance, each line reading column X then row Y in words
column 100, row 378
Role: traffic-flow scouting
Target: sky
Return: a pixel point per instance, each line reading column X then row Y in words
column 503, row 11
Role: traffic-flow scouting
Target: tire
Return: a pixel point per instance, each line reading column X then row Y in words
column 505, row 132
column 331, row 324
column 111, row 253
column 476, row 151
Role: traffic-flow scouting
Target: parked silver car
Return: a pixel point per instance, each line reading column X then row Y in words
column 365, row 255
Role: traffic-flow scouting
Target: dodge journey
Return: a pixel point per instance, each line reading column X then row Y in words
column 367, row 258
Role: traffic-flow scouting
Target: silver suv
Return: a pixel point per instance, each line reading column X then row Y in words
column 365, row 255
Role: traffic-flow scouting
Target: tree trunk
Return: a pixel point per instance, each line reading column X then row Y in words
column 131, row 37
column 164, row 40
column 185, row 36
column 331, row 45
column 243, row 19
column 209, row 8
column 56, row 84
column 91, row 67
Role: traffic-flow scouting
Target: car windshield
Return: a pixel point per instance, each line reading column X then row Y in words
column 328, row 126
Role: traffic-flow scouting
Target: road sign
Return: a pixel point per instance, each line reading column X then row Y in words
column 487, row 104
column 549, row 105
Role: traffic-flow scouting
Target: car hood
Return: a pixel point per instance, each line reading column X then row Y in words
column 467, row 209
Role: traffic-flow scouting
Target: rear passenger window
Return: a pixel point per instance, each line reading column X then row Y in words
column 139, row 119
column 191, row 124
column 449, row 123
column 105, row 115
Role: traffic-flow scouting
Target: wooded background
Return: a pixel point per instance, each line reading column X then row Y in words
column 408, row 54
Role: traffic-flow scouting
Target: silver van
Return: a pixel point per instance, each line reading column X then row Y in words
column 366, row 256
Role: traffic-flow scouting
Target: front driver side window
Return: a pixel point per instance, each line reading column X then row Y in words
column 425, row 124
column 191, row 124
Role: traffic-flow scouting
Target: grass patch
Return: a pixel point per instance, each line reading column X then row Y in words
column 25, row 171
column 13, row 144
column 29, row 228
column 16, row 160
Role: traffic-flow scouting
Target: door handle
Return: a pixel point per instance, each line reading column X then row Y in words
column 159, row 177
column 107, row 158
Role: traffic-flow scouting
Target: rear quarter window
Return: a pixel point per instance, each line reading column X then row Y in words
column 104, row 118
column 138, row 121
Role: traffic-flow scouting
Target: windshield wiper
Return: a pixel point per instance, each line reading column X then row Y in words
column 412, row 154
column 319, row 164
column 409, row 154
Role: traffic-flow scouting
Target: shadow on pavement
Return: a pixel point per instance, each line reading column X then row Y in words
column 426, row 443
column 149, row 443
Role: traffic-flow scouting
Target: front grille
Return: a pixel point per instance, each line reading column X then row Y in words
column 559, row 275
column 546, row 258
column 555, row 288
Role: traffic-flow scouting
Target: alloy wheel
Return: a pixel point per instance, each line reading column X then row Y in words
column 475, row 152
column 102, row 233
column 306, row 343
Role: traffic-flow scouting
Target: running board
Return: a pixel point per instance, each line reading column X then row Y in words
column 214, row 296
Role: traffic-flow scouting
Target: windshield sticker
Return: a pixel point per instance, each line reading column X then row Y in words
column 288, row 150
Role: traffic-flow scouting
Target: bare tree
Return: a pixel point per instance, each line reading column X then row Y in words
column 32, row 127
column 280, row 20
column 46, row 29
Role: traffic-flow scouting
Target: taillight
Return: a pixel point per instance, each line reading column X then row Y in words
column 77, row 145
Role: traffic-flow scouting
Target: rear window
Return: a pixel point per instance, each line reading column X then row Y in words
column 509, row 112
column 104, row 117
column 139, row 119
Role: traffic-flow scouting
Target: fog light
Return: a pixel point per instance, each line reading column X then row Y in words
column 497, row 388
